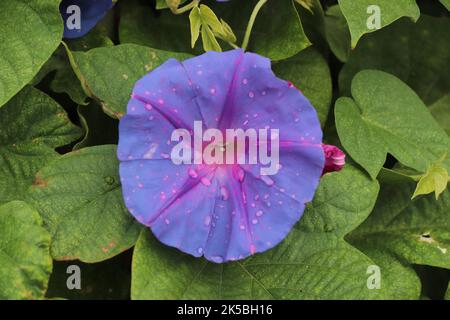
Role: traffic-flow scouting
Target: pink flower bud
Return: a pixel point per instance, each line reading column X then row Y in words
column 334, row 158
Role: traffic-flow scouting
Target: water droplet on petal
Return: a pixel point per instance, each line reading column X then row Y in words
column 192, row 173
column 254, row 221
column 224, row 192
column 200, row 250
column 167, row 221
column 241, row 175
column 148, row 106
column 207, row 220
column 259, row 213
column 267, row 180
column 206, row 181
column 217, row 259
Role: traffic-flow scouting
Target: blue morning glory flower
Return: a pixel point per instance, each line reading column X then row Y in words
column 80, row 16
column 218, row 156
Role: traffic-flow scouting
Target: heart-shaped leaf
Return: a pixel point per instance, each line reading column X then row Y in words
column 386, row 116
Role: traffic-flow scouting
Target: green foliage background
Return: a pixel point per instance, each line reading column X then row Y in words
column 382, row 95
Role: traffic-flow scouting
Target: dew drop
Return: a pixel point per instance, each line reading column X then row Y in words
column 217, row 259
column 192, row 173
column 200, row 250
column 254, row 221
column 109, row 180
column 241, row 175
column 267, row 180
column 259, row 213
column 206, row 181
column 148, row 106
column 225, row 194
column 207, row 220
column 167, row 221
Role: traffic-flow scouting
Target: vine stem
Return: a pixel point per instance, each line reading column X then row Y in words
column 187, row 7
column 251, row 22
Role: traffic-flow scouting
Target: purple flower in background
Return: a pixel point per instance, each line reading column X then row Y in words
column 334, row 158
column 80, row 16
column 185, row 176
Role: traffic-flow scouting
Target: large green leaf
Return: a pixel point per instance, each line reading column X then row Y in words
column 386, row 116
column 80, row 199
column 417, row 53
column 313, row 262
column 109, row 74
column 25, row 262
column 409, row 231
column 32, row 126
column 358, row 14
column 310, row 73
column 31, row 31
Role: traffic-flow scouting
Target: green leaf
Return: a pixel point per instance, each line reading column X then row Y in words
column 209, row 40
column 441, row 112
column 446, row 3
column 337, row 33
column 280, row 39
column 434, row 180
column 138, row 25
column 313, row 262
column 32, row 126
column 110, row 73
column 25, row 262
column 386, row 116
column 310, row 73
column 80, row 199
column 417, row 53
column 209, row 17
column 409, row 231
column 31, row 31
column 195, row 22
column 359, row 14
